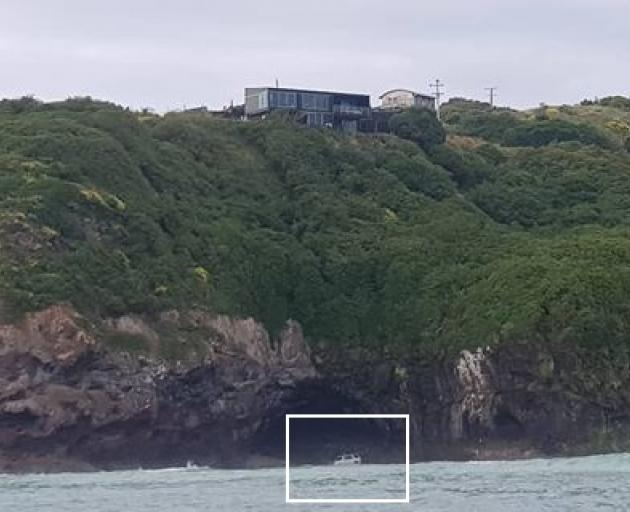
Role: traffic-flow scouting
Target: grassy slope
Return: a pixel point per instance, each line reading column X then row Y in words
column 361, row 239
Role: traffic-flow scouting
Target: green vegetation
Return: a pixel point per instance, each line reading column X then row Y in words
column 126, row 342
column 506, row 127
column 418, row 125
column 515, row 229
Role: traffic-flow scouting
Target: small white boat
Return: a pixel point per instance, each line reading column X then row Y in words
column 347, row 459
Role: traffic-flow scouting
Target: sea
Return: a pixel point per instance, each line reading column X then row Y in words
column 564, row 484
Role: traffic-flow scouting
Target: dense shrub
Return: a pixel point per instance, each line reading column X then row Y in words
column 544, row 132
column 418, row 125
column 368, row 239
column 620, row 102
column 467, row 169
column 507, row 127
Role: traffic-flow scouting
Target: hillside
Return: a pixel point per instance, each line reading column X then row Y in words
column 515, row 229
column 172, row 286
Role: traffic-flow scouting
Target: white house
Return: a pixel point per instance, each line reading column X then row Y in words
column 405, row 98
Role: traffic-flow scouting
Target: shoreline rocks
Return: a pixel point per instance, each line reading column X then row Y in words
column 69, row 403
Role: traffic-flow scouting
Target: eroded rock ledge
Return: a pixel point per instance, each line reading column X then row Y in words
column 68, row 401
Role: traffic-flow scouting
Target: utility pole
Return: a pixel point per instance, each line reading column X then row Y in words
column 277, row 83
column 438, row 94
column 492, row 94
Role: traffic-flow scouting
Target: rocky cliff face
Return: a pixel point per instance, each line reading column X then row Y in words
column 69, row 402
column 512, row 401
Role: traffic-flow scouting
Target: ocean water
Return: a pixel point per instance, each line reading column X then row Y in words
column 573, row 484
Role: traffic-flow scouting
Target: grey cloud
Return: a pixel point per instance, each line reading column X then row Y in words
column 167, row 54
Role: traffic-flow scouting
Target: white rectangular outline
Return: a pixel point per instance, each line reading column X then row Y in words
column 288, row 498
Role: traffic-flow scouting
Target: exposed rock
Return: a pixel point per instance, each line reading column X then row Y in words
column 475, row 392
column 293, row 351
column 132, row 324
column 50, row 336
column 64, row 397
column 513, row 400
column 171, row 316
column 244, row 336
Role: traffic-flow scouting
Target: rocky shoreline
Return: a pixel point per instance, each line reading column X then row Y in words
column 69, row 402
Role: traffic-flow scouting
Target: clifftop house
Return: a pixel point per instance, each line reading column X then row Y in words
column 342, row 111
column 396, row 99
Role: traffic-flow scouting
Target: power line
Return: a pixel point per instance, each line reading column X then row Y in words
column 438, row 94
column 492, row 92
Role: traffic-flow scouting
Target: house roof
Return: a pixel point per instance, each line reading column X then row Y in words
column 405, row 90
column 314, row 91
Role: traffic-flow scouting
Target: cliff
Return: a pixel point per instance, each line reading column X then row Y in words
column 171, row 286
column 67, row 403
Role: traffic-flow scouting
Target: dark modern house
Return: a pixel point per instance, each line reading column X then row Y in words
column 342, row 111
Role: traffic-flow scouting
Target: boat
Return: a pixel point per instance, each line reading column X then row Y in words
column 347, row 459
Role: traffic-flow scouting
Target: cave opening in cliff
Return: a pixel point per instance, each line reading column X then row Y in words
column 506, row 425
column 321, row 440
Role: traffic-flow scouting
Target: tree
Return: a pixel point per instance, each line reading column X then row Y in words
column 418, row 125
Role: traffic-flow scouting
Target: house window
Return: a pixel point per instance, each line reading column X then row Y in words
column 262, row 100
column 315, row 119
column 282, row 99
column 256, row 101
column 311, row 101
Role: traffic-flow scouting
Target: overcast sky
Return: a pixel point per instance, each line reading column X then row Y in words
column 166, row 54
